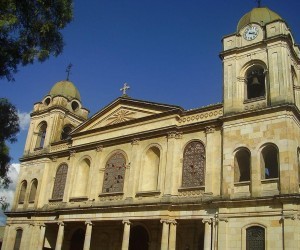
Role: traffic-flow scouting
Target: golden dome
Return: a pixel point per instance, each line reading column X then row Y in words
column 66, row 89
column 261, row 15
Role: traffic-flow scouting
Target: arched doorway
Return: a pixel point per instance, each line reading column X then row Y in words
column 139, row 238
column 77, row 240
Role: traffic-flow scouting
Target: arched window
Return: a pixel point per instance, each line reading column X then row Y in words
column 242, row 165
column 33, row 189
column 60, row 182
column 82, row 178
column 193, row 172
column 269, row 162
column 256, row 82
column 65, row 132
column 41, row 135
column 22, row 192
column 255, row 238
column 18, row 239
column 149, row 178
column 114, row 174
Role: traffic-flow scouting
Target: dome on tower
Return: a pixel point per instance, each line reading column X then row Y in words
column 261, row 15
column 66, row 89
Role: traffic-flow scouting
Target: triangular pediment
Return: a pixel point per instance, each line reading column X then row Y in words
column 123, row 110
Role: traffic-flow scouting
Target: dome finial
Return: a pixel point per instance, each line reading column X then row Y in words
column 68, row 70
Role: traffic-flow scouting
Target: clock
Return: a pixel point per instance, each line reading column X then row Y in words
column 251, row 33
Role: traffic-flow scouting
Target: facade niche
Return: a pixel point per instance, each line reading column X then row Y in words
column 193, row 171
column 82, row 178
column 255, row 82
column 269, row 162
column 242, row 165
column 41, row 135
column 33, row 190
column 255, row 238
column 22, row 192
column 150, row 170
column 60, row 182
column 114, row 174
column 17, row 245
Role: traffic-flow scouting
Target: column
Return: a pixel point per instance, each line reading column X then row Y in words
column 207, row 234
column 60, row 236
column 126, row 234
column 133, row 170
column 88, row 235
column 172, row 236
column 41, row 236
column 165, row 235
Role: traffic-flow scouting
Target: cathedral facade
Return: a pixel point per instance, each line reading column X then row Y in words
column 141, row 175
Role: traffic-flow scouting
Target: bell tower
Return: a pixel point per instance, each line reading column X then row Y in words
column 54, row 117
column 261, row 63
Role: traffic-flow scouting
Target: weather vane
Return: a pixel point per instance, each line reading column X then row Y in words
column 124, row 89
column 258, row 3
column 68, row 70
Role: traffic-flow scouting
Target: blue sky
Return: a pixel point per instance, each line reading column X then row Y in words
column 166, row 50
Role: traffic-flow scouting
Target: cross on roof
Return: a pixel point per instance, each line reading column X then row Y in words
column 258, row 3
column 68, row 70
column 124, row 89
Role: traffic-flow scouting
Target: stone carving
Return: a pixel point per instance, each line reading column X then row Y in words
column 121, row 116
column 201, row 116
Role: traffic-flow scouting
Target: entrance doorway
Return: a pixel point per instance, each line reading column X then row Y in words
column 77, row 240
column 139, row 238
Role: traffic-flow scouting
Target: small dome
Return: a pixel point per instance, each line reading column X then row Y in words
column 260, row 15
column 66, row 89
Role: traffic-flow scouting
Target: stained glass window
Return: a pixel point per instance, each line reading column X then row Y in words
column 193, row 174
column 255, row 238
column 60, row 182
column 114, row 174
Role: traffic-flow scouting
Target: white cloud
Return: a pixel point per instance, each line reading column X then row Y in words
column 10, row 191
column 24, row 120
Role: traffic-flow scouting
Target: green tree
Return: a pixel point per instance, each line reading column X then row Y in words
column 30, row 31
column 9, row 127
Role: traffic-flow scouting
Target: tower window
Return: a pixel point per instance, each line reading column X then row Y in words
column 65, row 132
column 242, row 165
column 255, row 80
column 269, row 162
column 41, row 135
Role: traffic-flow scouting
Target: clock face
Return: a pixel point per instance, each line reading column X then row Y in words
column 251, row 33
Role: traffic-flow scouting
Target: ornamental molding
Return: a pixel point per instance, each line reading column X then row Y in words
column 174, row 135
column 204, row 116
column 121, row 116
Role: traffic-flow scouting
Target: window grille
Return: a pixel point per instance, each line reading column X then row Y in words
column 60, row 182
column 255, row 238
column 193, row 165
column 114, row 174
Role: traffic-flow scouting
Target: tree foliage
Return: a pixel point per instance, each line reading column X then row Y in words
column 30, row 31
column 9, row 127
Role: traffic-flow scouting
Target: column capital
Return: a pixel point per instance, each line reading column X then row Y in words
column 99, row 148
column 164, row 221
column 173, row 222
column 42, row 225
column 210, row 129
column 135, row 141
column 127, row 222
column 88, row 222
column 72, row 153
column 208, row 220
column 61, row 223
